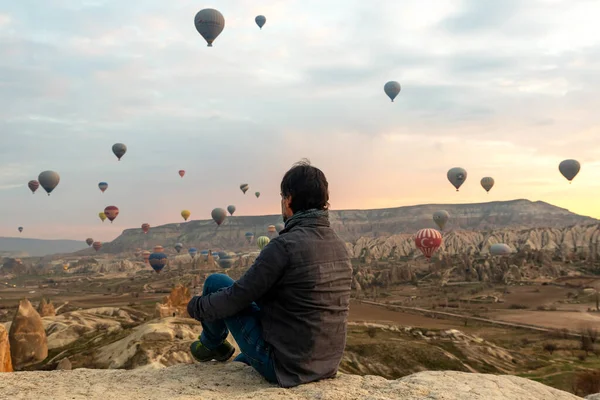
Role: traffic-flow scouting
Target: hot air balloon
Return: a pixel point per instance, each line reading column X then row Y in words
column 218, row 214
column 193, row 251
column 158, row 249
column 500, row 249
column 97, row 245
column 89, row 241
column 280, row 226
column 260, row 20
column 457, row 176
column 178, row 247
column 33, row 185
column 440, row 218
column 103, row 186
column 137, row 252
column 569, row 169
column 145, row 228
column 487, row 183
column 102, row 216
column 244, row 187
column 146, row 256
column 157, row 261
column 209, row 23
column 49, row 180
column 226, row 259
column 428, row 240
column 262, row 241
column 231, row 209
column 257, row 194
column 185, row 214
column 119, row 149
column 391, row 88
column 249, row 237
column 181, row 173
column 271, row 229
column 111, row 213
column 65, row 267
column 20, row 229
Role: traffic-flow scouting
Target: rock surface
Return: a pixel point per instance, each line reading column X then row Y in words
column 64, row 365
column 5, row 361
column 236, row 381
column 27, row 336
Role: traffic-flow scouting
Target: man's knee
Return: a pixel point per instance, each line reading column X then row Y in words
column 215, row 282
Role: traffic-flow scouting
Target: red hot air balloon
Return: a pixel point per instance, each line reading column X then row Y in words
column 111, row 213
column 97, row 245
column 428, row 240
column 33, row 185
column 181, row 173
column 145, row 227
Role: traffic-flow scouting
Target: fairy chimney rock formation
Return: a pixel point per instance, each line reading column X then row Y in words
column 175, row 304
column 5, row 361
column 46, row 309
column 27, row 337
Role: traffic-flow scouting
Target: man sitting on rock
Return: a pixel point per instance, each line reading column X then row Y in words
column 288, row 312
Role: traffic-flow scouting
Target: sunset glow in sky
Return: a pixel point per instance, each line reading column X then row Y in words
column 506, row 89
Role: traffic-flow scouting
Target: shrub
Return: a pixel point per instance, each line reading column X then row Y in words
column 550, row 348
column 517, row 307
column 587, row 382
column 372, row 331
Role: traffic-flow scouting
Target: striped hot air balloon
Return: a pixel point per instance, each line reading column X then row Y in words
column 262, row 241
column 428, row 241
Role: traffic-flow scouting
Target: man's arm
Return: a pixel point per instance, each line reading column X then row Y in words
column 262, row 275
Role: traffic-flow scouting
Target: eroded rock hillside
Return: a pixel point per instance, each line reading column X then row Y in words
column 353, row 224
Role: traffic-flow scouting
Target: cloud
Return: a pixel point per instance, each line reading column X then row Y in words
column 506, row 88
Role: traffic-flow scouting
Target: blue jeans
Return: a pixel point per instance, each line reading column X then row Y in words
column 244, row 327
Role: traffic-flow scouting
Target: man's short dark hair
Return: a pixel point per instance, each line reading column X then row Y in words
column 307, row 185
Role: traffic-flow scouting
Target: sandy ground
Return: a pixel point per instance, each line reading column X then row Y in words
column 549, row 319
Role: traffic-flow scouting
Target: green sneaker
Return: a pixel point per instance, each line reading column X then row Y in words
column 221, row 353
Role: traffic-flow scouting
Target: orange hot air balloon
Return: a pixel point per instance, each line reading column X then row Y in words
column 111, row 213
column 428, row 240
column 158, row 249
column 146, row 256
column 97, row 245
column 181, row 172
column 145, row 227
column 271, row 229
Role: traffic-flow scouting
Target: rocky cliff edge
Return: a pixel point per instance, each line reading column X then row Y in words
column 236, row 381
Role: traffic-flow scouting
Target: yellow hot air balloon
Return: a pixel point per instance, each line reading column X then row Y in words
column 65, row 267
column 185, row 214
column 102, row 216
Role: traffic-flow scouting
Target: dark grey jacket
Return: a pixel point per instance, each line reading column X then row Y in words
column 301, row 282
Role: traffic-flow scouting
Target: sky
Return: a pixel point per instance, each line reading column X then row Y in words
column 506, row 89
